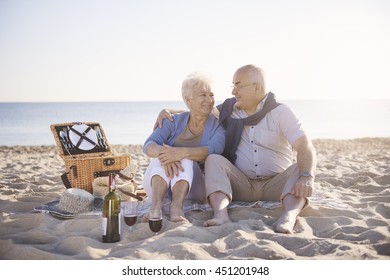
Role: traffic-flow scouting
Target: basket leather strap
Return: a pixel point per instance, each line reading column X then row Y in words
column 140, row 198
column 65, row 181
column 105, row 173
column 82, row 136
column 124, row 177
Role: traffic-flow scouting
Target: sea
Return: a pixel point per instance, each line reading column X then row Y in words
column 28, row 124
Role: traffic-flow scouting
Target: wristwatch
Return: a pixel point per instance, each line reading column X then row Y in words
column 306, row 174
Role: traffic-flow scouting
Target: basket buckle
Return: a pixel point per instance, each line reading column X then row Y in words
column 109, row 161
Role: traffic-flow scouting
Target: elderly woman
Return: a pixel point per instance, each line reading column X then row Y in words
column 179, row 148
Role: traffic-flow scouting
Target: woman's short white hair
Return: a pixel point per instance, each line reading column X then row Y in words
column 192, row 82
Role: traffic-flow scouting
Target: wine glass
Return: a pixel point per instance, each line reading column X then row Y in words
column 155, row 220
column 130, row 216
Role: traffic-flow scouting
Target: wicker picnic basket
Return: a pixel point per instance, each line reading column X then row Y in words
column 82, row 163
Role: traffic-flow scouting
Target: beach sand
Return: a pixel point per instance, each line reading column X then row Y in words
column 349, row 217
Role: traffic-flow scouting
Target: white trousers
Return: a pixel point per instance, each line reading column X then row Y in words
column 192, row 174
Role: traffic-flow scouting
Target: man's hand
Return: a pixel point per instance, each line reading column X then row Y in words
column 164, row 114
column 303, row 187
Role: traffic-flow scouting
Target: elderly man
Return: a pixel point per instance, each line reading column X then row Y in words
column 257, row 163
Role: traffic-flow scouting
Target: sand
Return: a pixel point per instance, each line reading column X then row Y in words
column 349, row 217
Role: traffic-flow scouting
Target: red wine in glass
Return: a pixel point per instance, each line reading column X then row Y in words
column 130, row 216
column 155, row 224
column 130, row 220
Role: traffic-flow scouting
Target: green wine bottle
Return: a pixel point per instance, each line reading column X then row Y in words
column 111, row 218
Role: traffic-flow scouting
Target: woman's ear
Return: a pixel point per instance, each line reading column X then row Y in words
column 187, row 99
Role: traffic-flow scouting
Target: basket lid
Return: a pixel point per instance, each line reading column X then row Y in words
column 80, row 139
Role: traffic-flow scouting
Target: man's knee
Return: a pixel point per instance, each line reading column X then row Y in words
column 214, row 160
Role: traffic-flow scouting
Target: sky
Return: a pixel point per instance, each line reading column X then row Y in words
column 128, row 50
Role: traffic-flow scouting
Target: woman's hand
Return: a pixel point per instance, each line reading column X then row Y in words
column 169, row 154
column 169, row 158
column 173, row 169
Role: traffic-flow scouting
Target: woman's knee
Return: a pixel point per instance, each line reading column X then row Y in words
column 159, row 181
column 186, row 163
column 181, row 185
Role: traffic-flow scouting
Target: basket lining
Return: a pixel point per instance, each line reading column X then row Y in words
column 101, row 147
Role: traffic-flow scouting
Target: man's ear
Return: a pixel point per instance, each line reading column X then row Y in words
column 259, row 87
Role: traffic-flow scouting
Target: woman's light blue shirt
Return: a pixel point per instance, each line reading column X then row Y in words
column 213, row 134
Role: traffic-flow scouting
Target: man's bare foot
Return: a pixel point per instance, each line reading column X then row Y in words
column 285, row 224
column 217, row 221
column 177, row 214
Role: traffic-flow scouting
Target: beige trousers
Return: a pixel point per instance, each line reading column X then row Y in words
column 221, row 175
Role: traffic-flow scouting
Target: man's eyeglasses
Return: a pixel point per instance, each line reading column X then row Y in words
column 237, row 87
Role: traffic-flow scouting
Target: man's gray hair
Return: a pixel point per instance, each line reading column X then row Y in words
column 255, row 73
column 192, row 82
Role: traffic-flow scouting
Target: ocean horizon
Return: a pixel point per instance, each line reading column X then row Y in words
column 28, row 123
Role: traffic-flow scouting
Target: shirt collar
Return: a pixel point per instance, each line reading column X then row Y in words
column 258, row 108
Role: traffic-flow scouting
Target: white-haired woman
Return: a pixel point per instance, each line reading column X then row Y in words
column 179, row 148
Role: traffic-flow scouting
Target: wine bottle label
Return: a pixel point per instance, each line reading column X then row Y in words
column 104, row 226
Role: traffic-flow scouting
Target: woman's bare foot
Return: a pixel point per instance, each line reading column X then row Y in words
column 177, row 214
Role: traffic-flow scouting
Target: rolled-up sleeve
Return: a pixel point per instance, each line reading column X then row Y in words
column 290, row 125
column 159, row 135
